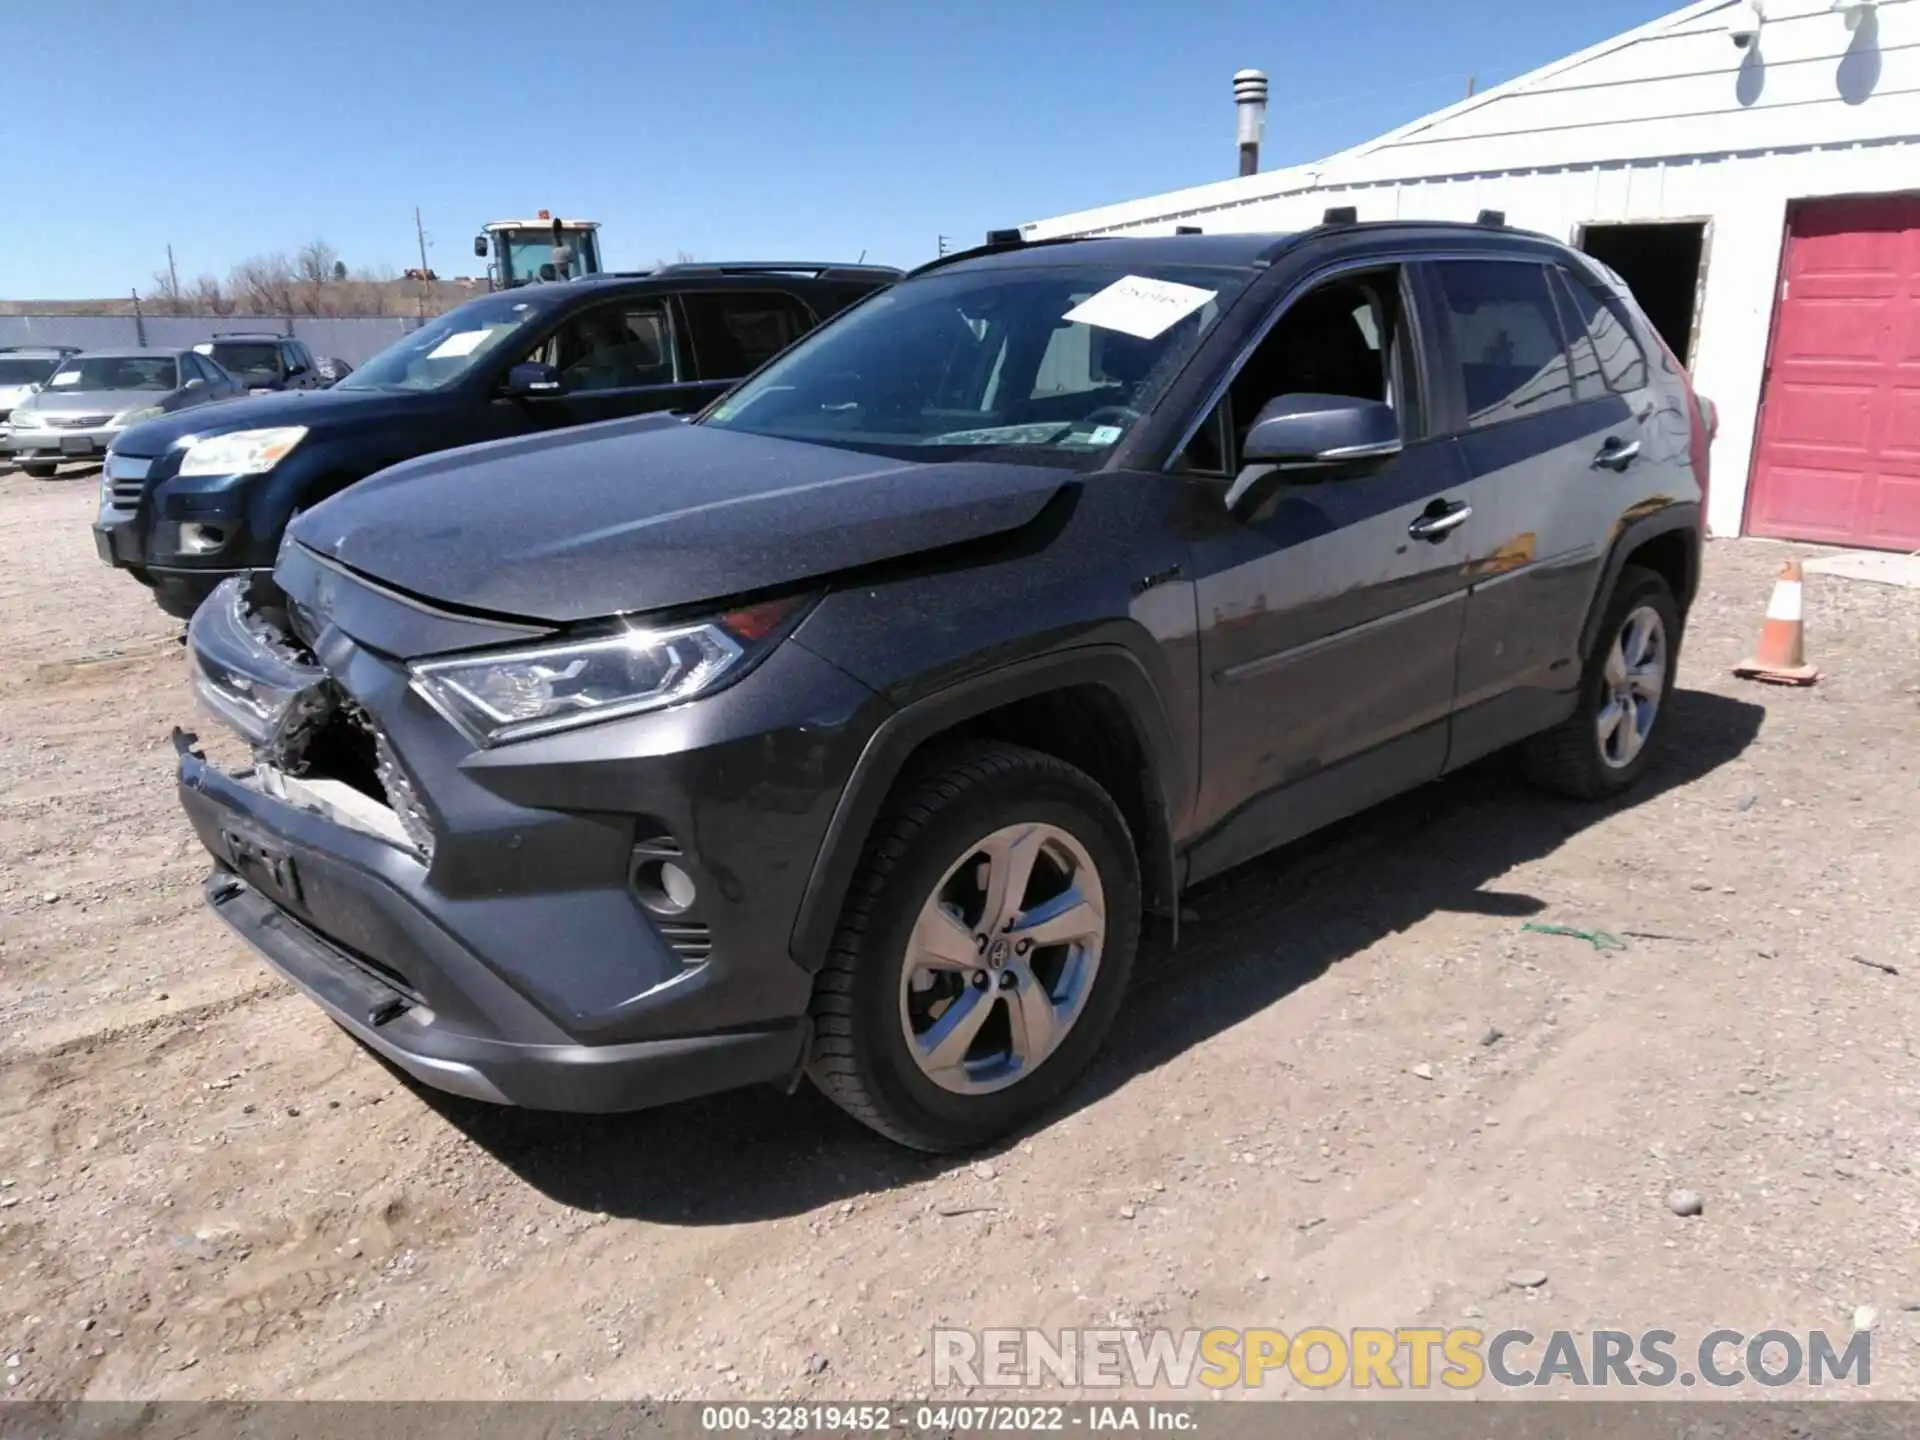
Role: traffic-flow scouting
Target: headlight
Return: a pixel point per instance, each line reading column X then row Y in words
column 244, row 452
column 509, row 695
column 134, row 417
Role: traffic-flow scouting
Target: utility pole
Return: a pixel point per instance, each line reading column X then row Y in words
column 946, row 246
column 421, row 235
column 173, row 283
column 1471, row 79
column 139, row 322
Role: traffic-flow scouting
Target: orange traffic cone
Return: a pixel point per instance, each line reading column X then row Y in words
column 1782, row 656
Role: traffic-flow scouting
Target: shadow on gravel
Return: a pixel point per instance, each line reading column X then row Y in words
column 1262, row 931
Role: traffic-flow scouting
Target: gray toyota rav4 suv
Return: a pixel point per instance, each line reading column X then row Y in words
column 851, row 729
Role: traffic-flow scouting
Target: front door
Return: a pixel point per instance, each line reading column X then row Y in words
column 1330, row 617
column 617, row 359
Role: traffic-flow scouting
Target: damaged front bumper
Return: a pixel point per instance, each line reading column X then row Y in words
column 488, row 949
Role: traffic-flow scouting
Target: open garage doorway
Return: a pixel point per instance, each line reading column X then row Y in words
column 1664, row 265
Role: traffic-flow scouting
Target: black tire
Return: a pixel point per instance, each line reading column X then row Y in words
column 1568, row 759
column 39, row 469
column 859, row 1054
column 178, row 598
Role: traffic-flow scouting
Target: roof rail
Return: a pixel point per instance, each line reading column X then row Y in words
column 1491, row 217
column 824, row 270
column 993, row 247
column 56, row 349
column 249, row 335
column 1341, row 215
column 1188, row 230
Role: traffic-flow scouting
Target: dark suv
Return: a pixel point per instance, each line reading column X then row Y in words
column 851, row 728
column 186, row 502
column 265, row 363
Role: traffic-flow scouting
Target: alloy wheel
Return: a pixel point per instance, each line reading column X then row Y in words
column 1002, row 959
column 1633, row 679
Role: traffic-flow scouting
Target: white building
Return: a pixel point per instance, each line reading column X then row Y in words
column 1724, row 160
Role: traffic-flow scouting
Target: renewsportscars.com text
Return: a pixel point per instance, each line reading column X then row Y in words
column 1405, row 1358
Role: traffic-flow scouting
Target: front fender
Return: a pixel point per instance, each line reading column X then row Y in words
column 1111, row 666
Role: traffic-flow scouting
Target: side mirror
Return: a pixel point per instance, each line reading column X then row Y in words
column 296, row 369
column 194, row 382
column 1313, row 437
column 480, row 247
column 531, row 378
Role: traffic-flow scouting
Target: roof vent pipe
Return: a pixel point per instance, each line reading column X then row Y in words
column 1250, row 100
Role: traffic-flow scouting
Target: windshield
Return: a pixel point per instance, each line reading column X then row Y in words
column 116, row 372
column 528, row 250
column 1057, row 363
column 24, row 372
column 442, row 352
column 258, row 361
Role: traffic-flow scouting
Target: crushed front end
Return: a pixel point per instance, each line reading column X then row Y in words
column 491, row 919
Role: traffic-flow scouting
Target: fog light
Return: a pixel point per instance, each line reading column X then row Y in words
column 199, row 539
column 663, row 887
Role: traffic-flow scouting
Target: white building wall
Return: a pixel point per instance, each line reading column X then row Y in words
column 1669, row 122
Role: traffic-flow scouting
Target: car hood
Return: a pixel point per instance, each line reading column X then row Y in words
column 93, row 402
column 12, row 395
column 648, row 514
column 281, row 407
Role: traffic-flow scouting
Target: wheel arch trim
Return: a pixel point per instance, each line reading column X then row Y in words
column 893, row 743
column 1634, row 533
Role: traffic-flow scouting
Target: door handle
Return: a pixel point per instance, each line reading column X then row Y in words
column 1437, row 525
column 1616, row 456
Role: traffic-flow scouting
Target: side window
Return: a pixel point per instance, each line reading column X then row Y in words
column 613, row 347
column 1598, row 326
column 734, row 335
column 1506, row 335
column 1345, row 337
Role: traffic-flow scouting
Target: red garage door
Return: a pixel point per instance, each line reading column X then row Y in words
column 1839, row 452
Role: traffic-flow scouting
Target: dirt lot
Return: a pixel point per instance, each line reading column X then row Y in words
column 207, row 1190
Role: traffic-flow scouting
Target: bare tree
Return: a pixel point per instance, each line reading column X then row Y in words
column 339, row 270
column 314, row 266
column 681, row 257
column 167, row 297
column 264, row 285
column 206, row 297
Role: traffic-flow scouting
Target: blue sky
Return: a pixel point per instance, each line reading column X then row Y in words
column 727, row 128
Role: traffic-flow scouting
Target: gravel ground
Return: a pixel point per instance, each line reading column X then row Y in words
column 1361, row 1095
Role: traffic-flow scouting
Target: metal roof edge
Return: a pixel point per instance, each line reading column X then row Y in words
column 1230, row 194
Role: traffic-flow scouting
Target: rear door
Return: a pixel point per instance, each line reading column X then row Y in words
column 735, row 332
column 1551, row 432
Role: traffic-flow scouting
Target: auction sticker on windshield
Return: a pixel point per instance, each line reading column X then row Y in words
column 1139, row 305
column 463, row 342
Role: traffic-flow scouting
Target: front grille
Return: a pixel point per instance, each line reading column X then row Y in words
column 126, row 480
column 342, row 743
column 77, row 422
